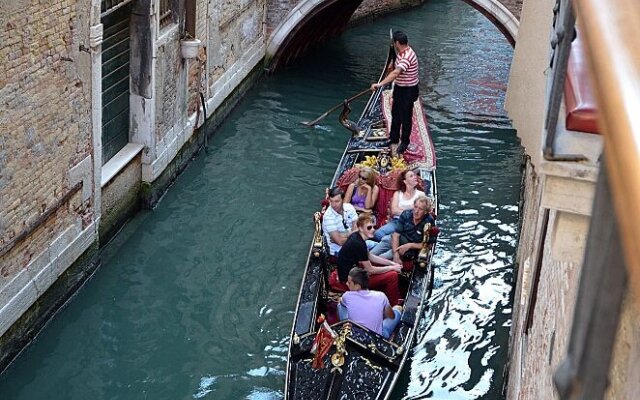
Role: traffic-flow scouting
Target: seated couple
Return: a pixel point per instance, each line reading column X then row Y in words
column 353, row 253
column 364, row 193
column 403, row 199
column 407, row 232
column 368, row 308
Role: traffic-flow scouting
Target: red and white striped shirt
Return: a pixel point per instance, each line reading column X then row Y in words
column 407, row 61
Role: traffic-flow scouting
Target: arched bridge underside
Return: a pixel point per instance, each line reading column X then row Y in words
column 309, row 23
column 314, row 21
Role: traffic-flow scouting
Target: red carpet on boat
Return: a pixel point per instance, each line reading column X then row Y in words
column 420, row 153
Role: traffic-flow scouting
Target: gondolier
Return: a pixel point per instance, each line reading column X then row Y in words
column 405, row 90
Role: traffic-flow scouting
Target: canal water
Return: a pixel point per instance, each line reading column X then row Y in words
column 195, row 299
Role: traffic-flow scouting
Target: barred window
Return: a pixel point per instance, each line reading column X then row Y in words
column 108, row 6
column 165, row 13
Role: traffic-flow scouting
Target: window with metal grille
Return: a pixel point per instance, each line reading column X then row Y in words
column 165, row 13
column 108, row 6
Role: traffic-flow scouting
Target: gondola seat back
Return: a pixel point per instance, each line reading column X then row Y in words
column 580, row 102
column 387, row 185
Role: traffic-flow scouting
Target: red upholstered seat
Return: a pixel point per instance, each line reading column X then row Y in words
column 387, row 185
column 578, row 95
column 335, row 283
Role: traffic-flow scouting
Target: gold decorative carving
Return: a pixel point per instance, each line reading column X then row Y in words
column 317, row 237
column 424, row 252
column 337, row 359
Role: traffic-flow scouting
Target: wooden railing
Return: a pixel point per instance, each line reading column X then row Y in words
column 612, row 34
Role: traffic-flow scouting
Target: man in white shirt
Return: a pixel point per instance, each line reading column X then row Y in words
column 339, row 221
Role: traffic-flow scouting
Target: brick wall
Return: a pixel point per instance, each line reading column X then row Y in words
column 45, row 123
column 277, row 10
column 371, row 9
column 515, row 6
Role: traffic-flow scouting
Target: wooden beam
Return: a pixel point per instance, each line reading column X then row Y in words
column 611, row 30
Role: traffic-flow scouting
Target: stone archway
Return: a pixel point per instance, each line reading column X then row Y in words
column 313, row 21
column 499, row 15
column 308, row 23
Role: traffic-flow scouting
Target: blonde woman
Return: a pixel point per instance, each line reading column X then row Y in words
column 363, row 193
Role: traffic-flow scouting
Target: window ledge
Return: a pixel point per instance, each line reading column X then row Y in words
column 119, row 161
column 166, row 34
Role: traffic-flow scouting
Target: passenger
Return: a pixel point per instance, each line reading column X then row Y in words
column 368, row 308
column 402, row 200
column 406, row 241
column 354, row 253
column 363, row 193
column 339, row 221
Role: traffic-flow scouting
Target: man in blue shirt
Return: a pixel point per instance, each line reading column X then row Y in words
column 406, row 241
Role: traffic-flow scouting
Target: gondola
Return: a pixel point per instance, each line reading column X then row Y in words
column 360, row 364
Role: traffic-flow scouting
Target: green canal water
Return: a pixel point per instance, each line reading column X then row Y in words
column 195, row 299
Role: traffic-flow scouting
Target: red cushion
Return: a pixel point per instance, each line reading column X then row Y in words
column 578, row 95
column 335, row 283
column 348, row 177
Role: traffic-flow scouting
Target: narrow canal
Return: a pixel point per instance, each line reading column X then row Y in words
column 195, row 298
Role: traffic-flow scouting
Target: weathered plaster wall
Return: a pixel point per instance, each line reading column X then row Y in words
column 120, row 199
column 542, row 318
column 170, row 90
column 234, row 29
column 44, row 126
column 233, row 40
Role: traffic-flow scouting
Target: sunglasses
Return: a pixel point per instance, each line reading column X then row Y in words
column 369, row 227
column 364, row 178
column 344, row 223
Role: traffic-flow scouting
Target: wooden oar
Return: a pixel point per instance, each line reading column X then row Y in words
column 332, row 109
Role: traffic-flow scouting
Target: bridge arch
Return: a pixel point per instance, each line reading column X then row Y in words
column 309, row 22
column 499, row 15
column 313, row 21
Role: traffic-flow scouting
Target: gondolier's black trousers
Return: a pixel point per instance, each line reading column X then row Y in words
column 402, row 111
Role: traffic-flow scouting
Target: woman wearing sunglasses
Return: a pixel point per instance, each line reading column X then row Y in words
column 363, row 193
column 354, row 253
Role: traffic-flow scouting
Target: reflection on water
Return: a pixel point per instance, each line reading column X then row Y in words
column 195, row 299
